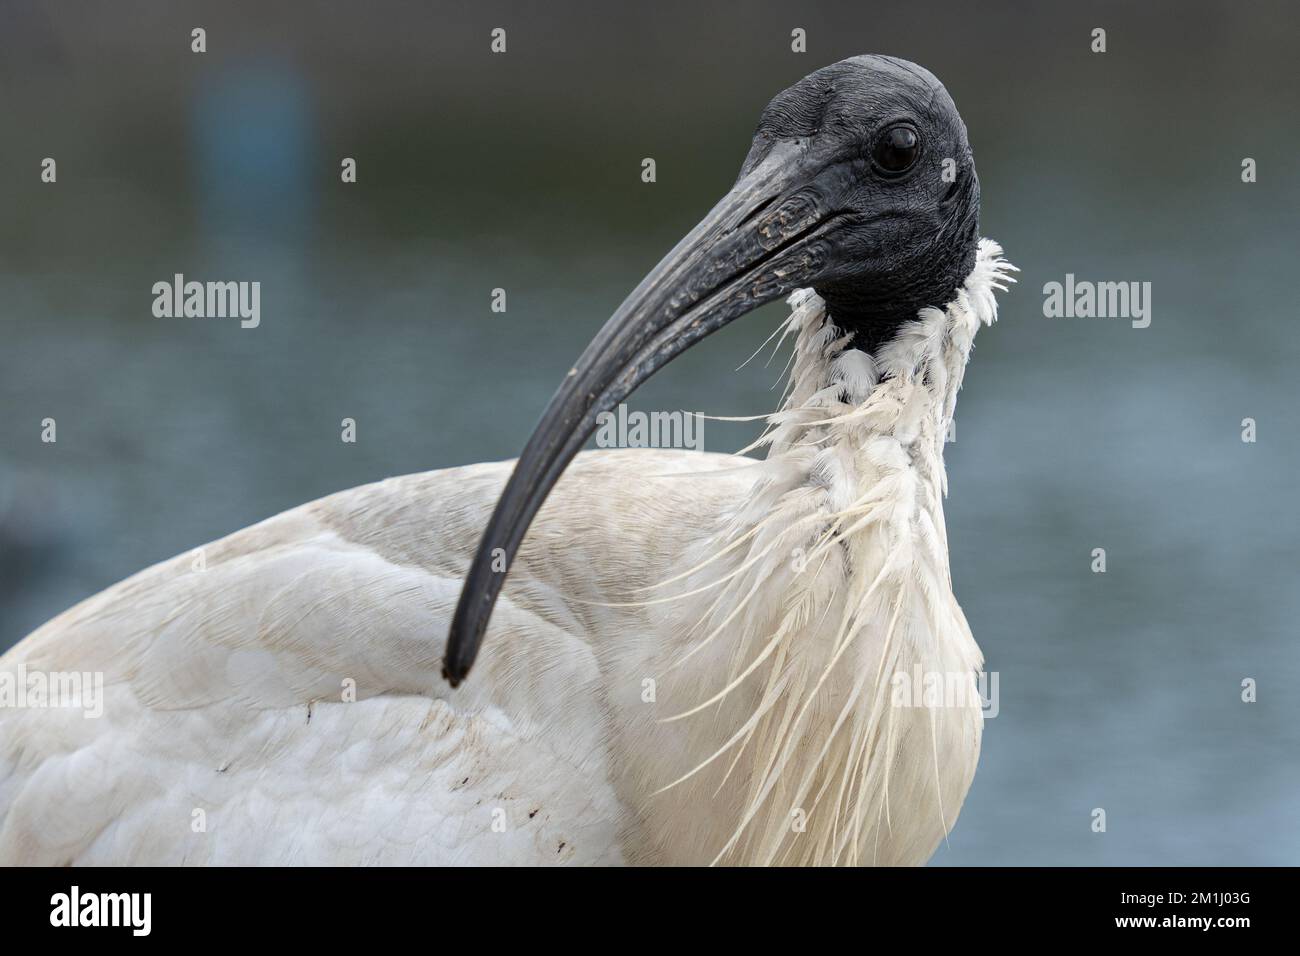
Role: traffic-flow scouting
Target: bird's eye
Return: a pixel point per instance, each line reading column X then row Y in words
column 897, row 149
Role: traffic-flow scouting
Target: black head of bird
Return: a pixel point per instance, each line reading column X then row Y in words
column 859, row 183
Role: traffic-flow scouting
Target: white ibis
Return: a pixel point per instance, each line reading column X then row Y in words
column 693, row 656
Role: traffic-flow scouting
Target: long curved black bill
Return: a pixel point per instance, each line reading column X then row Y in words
column 761, row 241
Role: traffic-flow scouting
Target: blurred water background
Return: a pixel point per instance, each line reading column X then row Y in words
column 522, row 171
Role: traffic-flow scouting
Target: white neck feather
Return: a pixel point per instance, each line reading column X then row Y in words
column 830, row 578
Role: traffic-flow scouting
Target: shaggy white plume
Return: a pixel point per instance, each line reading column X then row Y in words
column 830, row 579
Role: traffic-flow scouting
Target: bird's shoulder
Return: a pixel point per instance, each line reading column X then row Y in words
column 297, row 662
column 358, row 569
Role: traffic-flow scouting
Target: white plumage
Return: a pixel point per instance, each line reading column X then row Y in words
column 767, row 602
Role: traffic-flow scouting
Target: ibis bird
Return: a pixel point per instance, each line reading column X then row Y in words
column 694, row 657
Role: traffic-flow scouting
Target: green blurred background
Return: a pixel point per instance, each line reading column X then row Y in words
column 522, row 171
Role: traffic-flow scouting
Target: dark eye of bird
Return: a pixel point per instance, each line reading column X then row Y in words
column 897, row 149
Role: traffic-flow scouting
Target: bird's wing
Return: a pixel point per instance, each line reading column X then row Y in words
column 275, row 696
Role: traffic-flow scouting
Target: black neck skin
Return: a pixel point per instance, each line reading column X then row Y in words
column 873, row 313
column 870, row 321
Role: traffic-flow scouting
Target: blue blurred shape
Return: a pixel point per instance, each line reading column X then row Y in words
column 252, row 136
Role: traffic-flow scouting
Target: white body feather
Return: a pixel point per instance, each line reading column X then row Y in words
column 764, row 606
